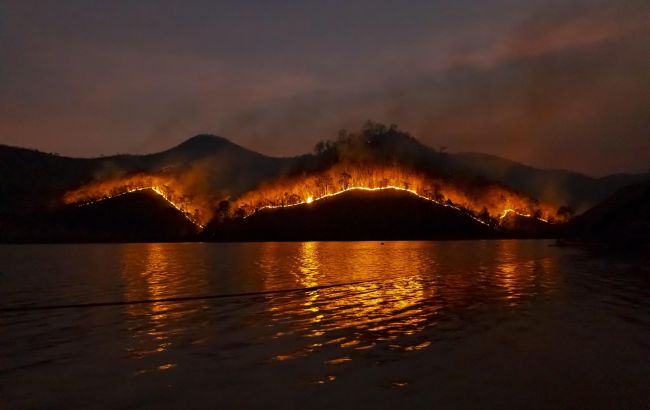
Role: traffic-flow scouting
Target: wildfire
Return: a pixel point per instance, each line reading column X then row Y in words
column 507, row 212
column 310, row 199
column 486, row 203
column 195, row 208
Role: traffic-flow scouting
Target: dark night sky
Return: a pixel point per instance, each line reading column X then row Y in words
column 550, row 83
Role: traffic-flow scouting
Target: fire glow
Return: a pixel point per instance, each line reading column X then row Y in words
column 156, row 190
column 485, row 203
column 194, row 208
column 489, row 204
column 310, row 200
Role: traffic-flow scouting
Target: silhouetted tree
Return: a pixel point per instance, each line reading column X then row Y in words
column 223, row 210
column 319, row 148
column 320, row 185
column 345, row 180
column 327, row 182
column 371, row 129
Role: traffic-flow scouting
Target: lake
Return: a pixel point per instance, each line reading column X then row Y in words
column 452, row 324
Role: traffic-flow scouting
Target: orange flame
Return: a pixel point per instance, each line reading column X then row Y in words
column 484, row 202
column 196, row 208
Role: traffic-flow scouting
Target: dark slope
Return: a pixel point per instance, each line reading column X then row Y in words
column 32, row 181
column 354, row 215
column 136, row 217
column 517, row 226
column 623, row 217
column 557, row 186
column 560, row 187
column 221, row 165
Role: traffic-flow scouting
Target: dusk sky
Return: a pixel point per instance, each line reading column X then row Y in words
column 555, row 84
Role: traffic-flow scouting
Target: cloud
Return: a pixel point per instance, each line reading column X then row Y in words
column 566, row 89
column 560, row 29
column 551, row 83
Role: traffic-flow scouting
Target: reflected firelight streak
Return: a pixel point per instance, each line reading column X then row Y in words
column 376, row 311
column 408, row 288
column 149, row 273
column 151, row 282
column 393, row 310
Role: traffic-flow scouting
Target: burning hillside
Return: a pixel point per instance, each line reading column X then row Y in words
column 195, row 207
column 489, row 203
column 377, row 159
column 486, row 202
column 355, row 214
column 381, row 158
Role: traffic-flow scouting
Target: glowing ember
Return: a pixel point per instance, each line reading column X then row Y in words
column 487, row 203
column 310, row 200
column 196, row 209
column 507, row 212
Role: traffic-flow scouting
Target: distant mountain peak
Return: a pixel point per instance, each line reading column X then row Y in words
column 204, row 141
column 205, row 145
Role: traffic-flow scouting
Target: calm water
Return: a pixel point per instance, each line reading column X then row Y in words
column 470, row 324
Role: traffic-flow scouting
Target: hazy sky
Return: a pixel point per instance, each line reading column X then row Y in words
column 563, row 84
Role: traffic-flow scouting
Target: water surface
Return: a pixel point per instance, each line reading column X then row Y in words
column 470, row 324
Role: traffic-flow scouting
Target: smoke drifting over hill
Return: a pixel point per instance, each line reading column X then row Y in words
column 554, row 84
column 210, row 182
column 376, row 158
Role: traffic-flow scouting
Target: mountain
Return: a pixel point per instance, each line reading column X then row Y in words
column 623, row 217
column 138, row 217
column 573, row 189
column 212, row 170
column 354, row 215
column 32, row 181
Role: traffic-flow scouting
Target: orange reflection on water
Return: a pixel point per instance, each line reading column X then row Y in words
column 391, row 294
column 399, row 296
column 307, row 276
column 153, row 272
column 355, row 315
column 521, row 279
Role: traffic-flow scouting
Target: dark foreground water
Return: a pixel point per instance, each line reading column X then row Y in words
column 472, row 324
